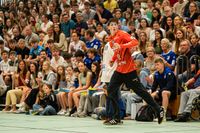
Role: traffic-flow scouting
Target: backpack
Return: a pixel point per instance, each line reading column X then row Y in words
column 145, row 113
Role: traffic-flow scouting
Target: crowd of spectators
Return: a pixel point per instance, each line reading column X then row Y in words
column 51, row 53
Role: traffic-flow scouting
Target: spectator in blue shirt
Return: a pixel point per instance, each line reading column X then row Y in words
column 91, row 57
column 165, row 79
column 34, row 51
column 168, row 55
column 92, row 42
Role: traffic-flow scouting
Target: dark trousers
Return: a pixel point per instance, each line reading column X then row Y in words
column 131, row 81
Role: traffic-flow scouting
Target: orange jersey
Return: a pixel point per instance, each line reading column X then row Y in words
column 123, row 55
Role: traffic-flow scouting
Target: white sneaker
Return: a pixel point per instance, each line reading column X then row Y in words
column 63, row 112
column 60, row 112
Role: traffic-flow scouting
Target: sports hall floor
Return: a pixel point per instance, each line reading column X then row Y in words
column 21, row 123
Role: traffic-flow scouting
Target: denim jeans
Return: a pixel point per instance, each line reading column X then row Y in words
column 48, row 110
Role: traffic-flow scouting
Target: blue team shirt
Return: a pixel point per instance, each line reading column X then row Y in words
column 164, row 80
column 93, row 44
column 88, row 62
column 170, row 57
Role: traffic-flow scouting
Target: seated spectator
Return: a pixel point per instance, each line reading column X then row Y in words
column 67, row 25
column 102, row 15
column 100, row 32
column 45, row 23
column 49, row 35
column 47, row 75
column 168, row 55
column 92, row 42
column 195, row 45
column 3, row 87
column 131, row 97
column 157, row 41
column 92, row 56
column 56, row 60
column 20, row 91
column 187, row 97
column 84, row 83
column 165, row 79
column 29, row 36
column 193, row 11
column 151, row 56
column 61, row 86
column 76, row 44
column 81, row 25
column 34, row 51
column 47, row 103
column 59, row 39
column 22, row 50
column 3, row 47
column 12, row 45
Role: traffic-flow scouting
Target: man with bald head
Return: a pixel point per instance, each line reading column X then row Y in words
column 29, row 36
column 168, row 13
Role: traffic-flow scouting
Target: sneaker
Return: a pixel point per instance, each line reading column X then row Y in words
column 183, row 118
column 82, row 114
column 161, row 115
column 63, row 112
column 74, row 114
column 59, row 112
column 113, row 122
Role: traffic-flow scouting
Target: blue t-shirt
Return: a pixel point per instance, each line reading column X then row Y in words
column 35, row 52
column 93, row 44
column 170, row 57
column 88, row 62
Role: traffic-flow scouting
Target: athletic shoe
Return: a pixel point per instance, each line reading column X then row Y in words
column 113, row 122
column 161, row 115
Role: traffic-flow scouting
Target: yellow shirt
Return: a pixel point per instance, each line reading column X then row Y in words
column 110, row 6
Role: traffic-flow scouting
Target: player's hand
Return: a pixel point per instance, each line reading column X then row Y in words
column 116, row 46
column 111, row 63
